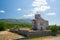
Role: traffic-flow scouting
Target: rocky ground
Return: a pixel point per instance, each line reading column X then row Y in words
column 5, row 35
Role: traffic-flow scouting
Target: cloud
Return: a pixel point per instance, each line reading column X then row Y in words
column 39, row 2
column 2, row 11
column 51, row 14
column 19, row 9
column 28, row 15
column 40, row 5
column 42, row 8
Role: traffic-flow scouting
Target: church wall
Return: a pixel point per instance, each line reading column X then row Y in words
column 40, row 23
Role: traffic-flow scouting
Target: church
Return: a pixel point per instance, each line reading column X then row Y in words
column 39, row 23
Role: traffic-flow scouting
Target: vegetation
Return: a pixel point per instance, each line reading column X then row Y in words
column 19, row 25
column 4, row 25
column 54, row 28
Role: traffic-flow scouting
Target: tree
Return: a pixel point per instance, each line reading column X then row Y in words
column 3, row 26
column 53, row 29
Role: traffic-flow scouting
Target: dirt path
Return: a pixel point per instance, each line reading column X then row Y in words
column 47, row 38
column 54, row 38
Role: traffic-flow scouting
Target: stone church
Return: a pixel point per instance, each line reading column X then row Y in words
column 39, row 23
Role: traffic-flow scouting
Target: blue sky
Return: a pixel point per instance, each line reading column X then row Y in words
column 17, row 9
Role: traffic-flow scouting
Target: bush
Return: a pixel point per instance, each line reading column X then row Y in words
column 53, row 29
column 3, row 26
column 58, row 27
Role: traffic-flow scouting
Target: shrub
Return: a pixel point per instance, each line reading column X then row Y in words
column 3, row 26
column 53, row 28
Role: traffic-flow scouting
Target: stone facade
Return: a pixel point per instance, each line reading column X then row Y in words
column 39, row 23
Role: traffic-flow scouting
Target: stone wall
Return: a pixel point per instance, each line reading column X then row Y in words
column 34, row 34
column 58, row 32
column 39, row 34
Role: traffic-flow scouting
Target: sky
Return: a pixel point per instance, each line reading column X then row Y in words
column 21, row 9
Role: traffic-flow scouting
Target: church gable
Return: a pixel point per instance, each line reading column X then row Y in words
column 39, row 23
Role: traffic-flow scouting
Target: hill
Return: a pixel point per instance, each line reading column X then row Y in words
column 16, row 21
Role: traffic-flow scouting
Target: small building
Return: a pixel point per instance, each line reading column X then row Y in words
column 39, row 23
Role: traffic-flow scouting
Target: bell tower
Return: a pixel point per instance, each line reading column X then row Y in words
column 37, row 16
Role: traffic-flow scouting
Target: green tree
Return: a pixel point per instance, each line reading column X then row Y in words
column 3, row 26
column 53, row 28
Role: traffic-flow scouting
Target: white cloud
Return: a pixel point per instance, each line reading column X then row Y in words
column 19, row 9
column 40, row 5
column 28, row 15
column 51, row 14
column 39, row 2
column 2, row 11
column 42, row 8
